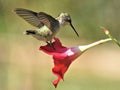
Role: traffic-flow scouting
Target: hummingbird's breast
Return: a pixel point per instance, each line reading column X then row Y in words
column 45, row 34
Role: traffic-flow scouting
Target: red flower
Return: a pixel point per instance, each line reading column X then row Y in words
column 62, row 57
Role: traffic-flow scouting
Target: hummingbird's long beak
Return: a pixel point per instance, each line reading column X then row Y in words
column 74, row 29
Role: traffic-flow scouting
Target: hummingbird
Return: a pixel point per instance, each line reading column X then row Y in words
column 47, row 26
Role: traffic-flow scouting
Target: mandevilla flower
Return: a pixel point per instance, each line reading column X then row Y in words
column 64, row 56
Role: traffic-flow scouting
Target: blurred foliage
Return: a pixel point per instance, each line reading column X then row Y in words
column 86, row 15
column 19, row 65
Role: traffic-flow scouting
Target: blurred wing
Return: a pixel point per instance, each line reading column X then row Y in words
column 29, row 16
column 48, row 20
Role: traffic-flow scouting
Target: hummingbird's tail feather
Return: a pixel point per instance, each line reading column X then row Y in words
column 28, row 32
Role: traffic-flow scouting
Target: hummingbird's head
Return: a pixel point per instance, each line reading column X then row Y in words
column 65, row 19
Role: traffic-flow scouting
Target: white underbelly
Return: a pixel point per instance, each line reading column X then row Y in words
column 44, row 31
column 44, row 34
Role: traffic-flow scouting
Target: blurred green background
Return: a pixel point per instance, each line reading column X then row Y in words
column 24, row 67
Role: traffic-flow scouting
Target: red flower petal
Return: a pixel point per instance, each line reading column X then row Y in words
column 62, row 57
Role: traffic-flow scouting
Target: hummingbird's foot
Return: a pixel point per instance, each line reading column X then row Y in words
column 50, row 44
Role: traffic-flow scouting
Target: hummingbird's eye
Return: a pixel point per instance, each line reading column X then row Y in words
column 68, row 20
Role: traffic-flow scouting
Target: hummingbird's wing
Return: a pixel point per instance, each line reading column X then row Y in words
column 30, row 16
column 48, row 20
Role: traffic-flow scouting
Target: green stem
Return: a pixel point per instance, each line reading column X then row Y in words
column 86, row 47
column 110, row 36
column 114, row 39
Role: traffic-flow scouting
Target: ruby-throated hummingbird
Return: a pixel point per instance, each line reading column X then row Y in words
column 46, row 24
